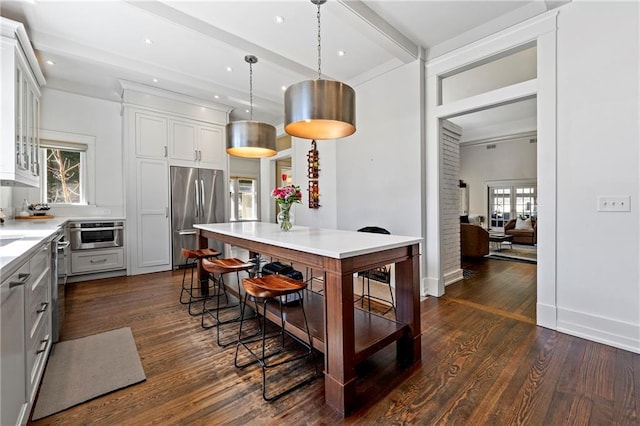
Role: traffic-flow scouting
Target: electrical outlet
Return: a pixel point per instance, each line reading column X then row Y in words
column 614, row 203
column 105, row 211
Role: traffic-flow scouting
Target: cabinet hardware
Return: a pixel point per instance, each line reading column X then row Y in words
column 195, row 155
column 22, row 278
column 43, row 307
column 98, row 260
column 190, row 232
column 166, row 152
column 199, row 155
column 43, row 348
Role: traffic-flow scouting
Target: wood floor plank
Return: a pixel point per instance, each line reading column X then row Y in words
column 480, row 366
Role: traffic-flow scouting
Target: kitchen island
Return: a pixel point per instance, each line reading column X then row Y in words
column 344, row 334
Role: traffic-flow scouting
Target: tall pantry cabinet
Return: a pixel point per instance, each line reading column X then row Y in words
column 163, row 129
column 20, row 82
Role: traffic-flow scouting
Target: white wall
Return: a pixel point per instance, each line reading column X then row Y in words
column 598, row 280
column 509, row 160
column 379, row 167
column 66, row 112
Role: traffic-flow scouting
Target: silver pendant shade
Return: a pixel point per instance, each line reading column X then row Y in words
column 319, row 109
column 248, row 138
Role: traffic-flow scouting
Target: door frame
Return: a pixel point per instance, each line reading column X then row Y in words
column 541, row 32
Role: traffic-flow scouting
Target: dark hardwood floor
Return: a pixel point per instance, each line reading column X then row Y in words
column 479, row 366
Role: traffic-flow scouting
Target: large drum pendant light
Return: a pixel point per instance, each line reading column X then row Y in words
column 248, row 138
column 320, row 109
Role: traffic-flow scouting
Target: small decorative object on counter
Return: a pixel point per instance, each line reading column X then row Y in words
column 2, row 216
column 39, row 209
column 286, row 196
column 25, row 209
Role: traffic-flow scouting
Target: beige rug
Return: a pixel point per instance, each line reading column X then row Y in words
column 82, row 369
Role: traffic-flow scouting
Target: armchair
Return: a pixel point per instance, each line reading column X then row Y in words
column 474, row 240
column 522, row 234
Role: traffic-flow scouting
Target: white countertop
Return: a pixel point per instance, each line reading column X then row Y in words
column 18, row 237
column 333, row 243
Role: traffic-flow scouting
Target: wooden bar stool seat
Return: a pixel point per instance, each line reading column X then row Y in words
column 273, row 288
column 221, row 267
column 192, row 256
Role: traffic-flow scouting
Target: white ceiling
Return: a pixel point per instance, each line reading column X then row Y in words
column 96, row 43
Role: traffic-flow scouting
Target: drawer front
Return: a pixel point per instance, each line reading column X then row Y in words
column 97, row 260
column 41, row 260
column 38, row 306
column 37, row 349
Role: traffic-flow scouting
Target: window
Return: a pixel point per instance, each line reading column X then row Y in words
column 64, row 174
column 244, row 198
column 510, row 202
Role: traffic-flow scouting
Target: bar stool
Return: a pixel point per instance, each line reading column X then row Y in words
column 381, row 274
column 222, row 267
column 273, row 288
column 194, row 256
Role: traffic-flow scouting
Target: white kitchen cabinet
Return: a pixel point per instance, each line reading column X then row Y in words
column 151, row 135
column 25, row 334
column 100, row 260
column 13, row 370
column 196, row 144
column 20, row 83
column 153, row 236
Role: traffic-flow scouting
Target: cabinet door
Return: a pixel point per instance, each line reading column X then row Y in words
column 211, row 146
column 182, row 141
column 151, row 135
column 13, row 375
column 153, row 214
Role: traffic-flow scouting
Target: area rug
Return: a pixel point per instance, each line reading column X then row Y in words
column 517, row 253
column 83, row 369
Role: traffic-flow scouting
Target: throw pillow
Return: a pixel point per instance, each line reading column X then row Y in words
column 524, row 224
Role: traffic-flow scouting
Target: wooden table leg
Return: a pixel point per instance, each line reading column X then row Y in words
column 340, row 371
column 408, row 308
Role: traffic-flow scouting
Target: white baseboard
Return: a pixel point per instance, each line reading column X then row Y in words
column 546, row 316
column 608, row 331
column 430, row 287
column 453, row 276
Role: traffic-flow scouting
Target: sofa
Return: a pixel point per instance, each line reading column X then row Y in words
column 524, row 231
column 474, row 240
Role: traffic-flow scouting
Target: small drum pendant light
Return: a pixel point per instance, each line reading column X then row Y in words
column 248, row 138
column 319, row 109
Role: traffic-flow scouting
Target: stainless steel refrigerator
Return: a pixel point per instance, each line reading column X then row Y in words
column 197, row 196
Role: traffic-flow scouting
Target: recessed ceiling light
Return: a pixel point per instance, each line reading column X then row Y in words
column 341, row 53
column 155, row 80
column 246, row 110
column 229, row 69
column 216, row 96
column 50, row 62
column 284, row 88
column 278, row 19
column 148, row 41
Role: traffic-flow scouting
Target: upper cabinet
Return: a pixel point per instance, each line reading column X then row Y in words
column 151, row 135
column 202, row 145
column 20, row 83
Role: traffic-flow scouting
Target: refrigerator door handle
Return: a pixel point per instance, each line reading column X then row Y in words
column 197, row 199
column 202, row 197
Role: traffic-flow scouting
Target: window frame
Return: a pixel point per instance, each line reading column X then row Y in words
column 61, row 140
column 234, row 206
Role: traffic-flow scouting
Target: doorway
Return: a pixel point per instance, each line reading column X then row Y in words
column 540, row 34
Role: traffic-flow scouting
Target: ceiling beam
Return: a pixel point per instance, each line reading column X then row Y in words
column 187, row 21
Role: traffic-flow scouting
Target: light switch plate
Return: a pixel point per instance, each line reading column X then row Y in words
column 611, row 203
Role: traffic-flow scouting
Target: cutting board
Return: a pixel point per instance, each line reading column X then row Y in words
column 34, row 217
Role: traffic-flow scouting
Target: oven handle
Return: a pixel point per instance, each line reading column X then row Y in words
column 111, row 228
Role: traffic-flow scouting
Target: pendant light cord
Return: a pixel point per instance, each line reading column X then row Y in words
column 251, row 91
column 319, row 44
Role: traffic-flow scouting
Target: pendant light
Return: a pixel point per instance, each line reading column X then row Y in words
column 319, row 109
column 248, row 138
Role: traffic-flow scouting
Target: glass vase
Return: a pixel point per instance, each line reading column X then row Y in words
column 285, row 217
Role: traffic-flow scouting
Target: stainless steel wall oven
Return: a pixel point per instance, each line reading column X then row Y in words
column 92, row 235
